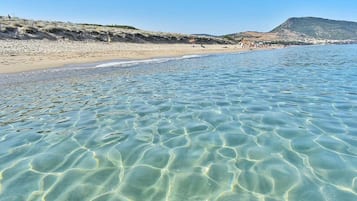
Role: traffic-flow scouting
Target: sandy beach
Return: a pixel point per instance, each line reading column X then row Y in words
column 27, row 55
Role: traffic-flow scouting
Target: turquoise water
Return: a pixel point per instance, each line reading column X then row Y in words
column 268, row 126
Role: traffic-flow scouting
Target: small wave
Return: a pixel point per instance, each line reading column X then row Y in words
column 129, row 63
column 136, row 62
column 126, row 63
column 192, row 56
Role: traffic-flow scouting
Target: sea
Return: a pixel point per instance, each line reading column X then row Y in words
column 268, row 125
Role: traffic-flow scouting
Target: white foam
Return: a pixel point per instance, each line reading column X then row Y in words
column 136, row 62
column 121, row 63
column 192, row 56
column 128, row 63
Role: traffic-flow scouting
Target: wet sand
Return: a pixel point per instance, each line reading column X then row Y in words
column 28, row 55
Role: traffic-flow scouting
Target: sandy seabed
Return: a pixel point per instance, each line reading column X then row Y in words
column 27, row 55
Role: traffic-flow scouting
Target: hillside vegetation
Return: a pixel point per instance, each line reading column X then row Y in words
column 319, row 28
column 302, row 31
column 23, row 29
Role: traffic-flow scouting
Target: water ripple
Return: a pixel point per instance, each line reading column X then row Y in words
column 273, row 125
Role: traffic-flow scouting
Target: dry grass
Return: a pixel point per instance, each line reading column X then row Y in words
column 24, row 26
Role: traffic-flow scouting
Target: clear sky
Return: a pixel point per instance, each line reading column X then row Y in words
column 184, row 16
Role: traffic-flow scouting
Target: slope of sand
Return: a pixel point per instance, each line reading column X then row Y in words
column 26, row 29
column 27, row 55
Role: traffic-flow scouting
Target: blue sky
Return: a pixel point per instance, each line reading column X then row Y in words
column 185, row 16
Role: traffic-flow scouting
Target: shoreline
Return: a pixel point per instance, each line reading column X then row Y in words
column 30, row 55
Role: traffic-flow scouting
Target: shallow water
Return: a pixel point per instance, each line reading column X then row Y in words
column 269, row 125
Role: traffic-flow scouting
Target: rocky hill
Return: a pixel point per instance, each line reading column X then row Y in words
column 319, row 28
column 23, row 29
column 303, row 30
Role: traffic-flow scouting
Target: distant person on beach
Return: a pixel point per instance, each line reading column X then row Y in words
column 192, row 41
column 9, row 16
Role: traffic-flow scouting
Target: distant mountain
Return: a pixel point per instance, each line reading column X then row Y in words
column 319, row 28
column 24, row 29
column 206, row 35
column 302, row 30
